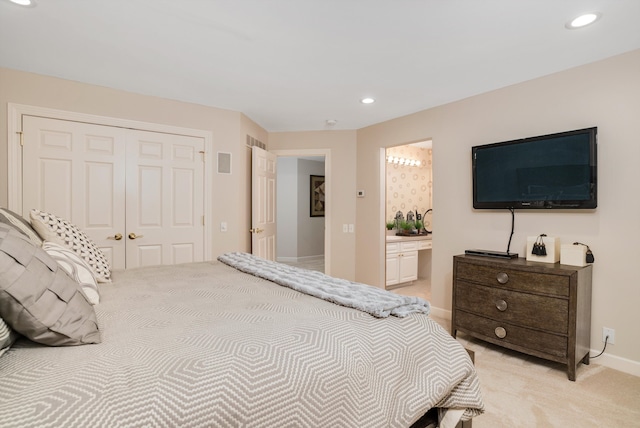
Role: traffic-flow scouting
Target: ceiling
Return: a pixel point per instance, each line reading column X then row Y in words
column 292, row 65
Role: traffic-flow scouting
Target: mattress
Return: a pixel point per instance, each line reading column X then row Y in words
column 205, row 345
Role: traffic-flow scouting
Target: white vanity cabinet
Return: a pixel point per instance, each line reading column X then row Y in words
column 402, row 262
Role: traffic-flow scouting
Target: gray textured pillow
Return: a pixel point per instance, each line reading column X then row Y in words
column 38, row 299
column 20, row 224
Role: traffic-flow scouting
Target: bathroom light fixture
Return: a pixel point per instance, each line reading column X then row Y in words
column 367, row 100
column 403, row 161
column 583, row 20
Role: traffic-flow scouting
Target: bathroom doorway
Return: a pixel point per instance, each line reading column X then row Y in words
column 409, row 198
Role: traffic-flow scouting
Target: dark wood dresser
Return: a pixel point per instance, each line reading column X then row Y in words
column 540, row 309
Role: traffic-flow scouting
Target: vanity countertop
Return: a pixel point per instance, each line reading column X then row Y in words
column 396, row 238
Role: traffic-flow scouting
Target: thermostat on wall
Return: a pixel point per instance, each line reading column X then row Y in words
column 360, row 193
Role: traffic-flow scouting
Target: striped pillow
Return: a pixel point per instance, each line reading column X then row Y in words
column 7, row 337
column 60, row 231
column 76, row 268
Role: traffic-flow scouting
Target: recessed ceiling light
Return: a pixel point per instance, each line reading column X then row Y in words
column 28, row 3
column 583, row 20
column 367, row 100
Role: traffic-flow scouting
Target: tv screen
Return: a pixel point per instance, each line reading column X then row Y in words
column 549, row 171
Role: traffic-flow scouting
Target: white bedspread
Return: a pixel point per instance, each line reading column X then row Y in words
column 205, row 345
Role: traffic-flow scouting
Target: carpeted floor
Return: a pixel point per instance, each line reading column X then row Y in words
column 523, row 391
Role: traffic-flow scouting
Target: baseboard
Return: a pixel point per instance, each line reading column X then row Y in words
column 617, row 363
column 607, row 360
column 300, row 259
column 440, row 313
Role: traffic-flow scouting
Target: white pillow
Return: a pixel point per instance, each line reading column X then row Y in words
column 60, row 231
column 76, row 268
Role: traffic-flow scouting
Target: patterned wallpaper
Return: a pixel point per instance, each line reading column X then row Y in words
column 409, row 188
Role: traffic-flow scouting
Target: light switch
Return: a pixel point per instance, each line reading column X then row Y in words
column 351, row 228
column 345, row 228
column 223, row 226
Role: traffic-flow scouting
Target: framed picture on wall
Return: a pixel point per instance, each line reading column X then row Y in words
column 317, row 196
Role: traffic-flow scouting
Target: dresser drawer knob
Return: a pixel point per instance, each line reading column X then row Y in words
column 502, row 278
column 501, row 305
column 501, row 332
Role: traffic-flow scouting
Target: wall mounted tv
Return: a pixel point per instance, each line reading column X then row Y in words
column 550, row 171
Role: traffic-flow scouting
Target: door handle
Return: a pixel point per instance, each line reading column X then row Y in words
column 134, row 236
column 256, row 230
column 117, row 236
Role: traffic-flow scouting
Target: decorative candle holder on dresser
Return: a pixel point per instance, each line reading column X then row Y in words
column 540, row 309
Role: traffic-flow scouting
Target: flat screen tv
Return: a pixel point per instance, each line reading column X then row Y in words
column 549, row 171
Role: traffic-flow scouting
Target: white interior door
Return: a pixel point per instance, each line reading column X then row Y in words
column 146, row 187
column 77, row 172
column 165, row 208
column 263, row 203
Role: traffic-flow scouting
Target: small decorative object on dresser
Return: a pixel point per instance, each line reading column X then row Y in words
column 550, row 249
column 540, row 309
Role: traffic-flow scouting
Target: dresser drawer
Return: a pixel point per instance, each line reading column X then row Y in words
column 499, row 276
column 531, row 310
column 506, row 334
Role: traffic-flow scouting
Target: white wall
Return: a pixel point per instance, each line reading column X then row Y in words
column 229, row 192
column 605, row 94
column 339, row 149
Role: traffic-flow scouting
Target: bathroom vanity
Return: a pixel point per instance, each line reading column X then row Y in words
column 402, row 258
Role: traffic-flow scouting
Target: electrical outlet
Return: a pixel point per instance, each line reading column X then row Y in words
column 345, row 228
column 606, row 331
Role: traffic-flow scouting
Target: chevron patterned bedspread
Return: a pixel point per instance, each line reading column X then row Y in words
column 204, row 345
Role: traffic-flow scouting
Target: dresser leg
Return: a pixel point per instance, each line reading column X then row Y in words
column 585, row 360
column 571, row 372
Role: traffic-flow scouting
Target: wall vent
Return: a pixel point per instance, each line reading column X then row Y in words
column 251, row 142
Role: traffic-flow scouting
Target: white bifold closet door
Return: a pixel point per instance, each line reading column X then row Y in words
column 139, row 195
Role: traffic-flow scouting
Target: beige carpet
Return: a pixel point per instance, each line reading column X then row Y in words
column 523, row 391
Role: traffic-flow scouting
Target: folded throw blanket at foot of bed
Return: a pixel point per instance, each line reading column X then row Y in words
column 375, row 301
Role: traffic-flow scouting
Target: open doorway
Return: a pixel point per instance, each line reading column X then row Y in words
column 408, row 211
column 300, row 199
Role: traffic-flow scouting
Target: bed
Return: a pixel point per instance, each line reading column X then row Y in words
column 207, row 345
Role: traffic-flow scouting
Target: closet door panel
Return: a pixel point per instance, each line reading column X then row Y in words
column 165, row 202
column 147, row 187
column 77, row 171
column 148, row 200
column 55, row 187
